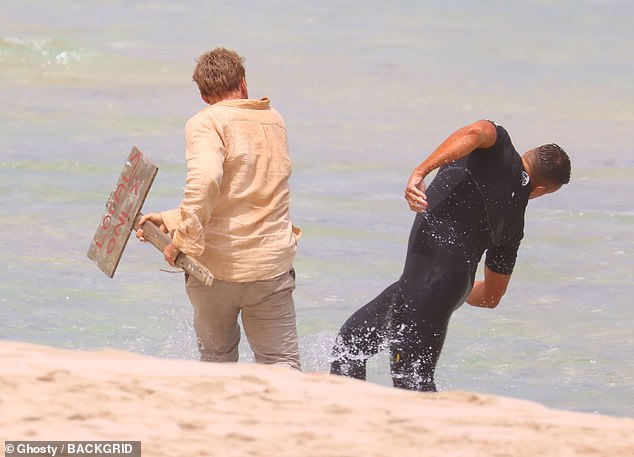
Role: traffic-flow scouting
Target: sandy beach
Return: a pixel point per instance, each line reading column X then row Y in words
column 188, row 408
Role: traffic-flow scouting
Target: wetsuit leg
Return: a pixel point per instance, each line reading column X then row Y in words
column 419, row 328
column 435, row 282
column 411, row 315
column 363, row 335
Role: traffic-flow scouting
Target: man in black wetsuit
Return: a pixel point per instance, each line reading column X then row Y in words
column 475, row 204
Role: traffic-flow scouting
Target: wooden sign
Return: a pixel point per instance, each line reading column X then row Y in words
column 122, row 208
column 123, row 211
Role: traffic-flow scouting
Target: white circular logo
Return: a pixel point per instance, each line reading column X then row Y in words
column 525, row 179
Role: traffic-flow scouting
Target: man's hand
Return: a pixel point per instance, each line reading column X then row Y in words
column 155, row 218
column 170, row 253
column 461, row 143
column 415, row 192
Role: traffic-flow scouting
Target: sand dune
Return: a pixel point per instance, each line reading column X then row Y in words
column 188, row 408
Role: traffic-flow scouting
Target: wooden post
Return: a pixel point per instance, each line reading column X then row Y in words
column 159, row 239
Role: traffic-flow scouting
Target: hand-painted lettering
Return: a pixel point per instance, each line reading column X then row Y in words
column 106, row 221
column 122, row 207
column 118, row 191
column 98, row 243
column 131, row 165
column 111, row 245
column 124, row 216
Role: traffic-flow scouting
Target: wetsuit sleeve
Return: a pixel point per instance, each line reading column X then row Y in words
column 501, row 259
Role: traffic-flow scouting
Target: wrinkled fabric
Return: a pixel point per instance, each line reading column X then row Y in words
column 234, row 216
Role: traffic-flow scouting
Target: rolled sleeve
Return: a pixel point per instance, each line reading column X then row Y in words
column 171, row 219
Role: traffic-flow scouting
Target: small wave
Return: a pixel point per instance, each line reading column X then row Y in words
column 38, row 51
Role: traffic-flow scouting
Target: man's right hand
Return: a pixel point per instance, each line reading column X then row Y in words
column 461, row 143
column 415, row 192
column 155, row 218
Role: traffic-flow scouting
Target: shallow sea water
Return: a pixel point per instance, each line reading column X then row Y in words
column 367, row 90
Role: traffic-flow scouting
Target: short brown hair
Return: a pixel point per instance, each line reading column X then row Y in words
column 551, row 164
column 219, row 72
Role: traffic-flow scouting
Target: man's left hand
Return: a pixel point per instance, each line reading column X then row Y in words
column 170, row 253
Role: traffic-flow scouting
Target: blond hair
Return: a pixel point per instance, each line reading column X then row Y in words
column 219, row 72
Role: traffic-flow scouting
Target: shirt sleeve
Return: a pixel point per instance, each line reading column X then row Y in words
column 171, row 219
column 501, row 259
column 205, row 155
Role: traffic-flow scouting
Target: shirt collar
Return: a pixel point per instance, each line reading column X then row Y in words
column 248, row 103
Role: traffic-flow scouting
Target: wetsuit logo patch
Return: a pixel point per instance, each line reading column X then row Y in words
column 525, row 179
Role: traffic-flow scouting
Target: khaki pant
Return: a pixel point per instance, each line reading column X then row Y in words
column 268, row 317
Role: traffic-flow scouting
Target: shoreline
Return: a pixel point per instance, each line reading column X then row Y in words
column 183, row 407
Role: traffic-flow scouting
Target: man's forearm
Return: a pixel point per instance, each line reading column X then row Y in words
column 488, row 293
column 459, row 144
column 480, row 298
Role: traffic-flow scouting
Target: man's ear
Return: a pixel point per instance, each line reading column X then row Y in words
column 205, row 99
column 243, row 88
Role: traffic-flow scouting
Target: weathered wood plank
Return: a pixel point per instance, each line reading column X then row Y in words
column 122, row 208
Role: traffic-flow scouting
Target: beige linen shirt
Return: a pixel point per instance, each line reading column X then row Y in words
column 234, row 216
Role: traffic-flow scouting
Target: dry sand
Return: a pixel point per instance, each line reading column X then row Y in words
column 188, row 408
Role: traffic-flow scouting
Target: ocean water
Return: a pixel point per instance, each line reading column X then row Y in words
column 367, row 89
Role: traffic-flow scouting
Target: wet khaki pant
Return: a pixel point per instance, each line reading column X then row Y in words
column 268, row 316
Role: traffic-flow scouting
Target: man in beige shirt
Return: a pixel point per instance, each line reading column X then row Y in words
column 234, row 218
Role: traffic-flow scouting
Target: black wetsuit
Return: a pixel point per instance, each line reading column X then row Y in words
column 476, row 204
